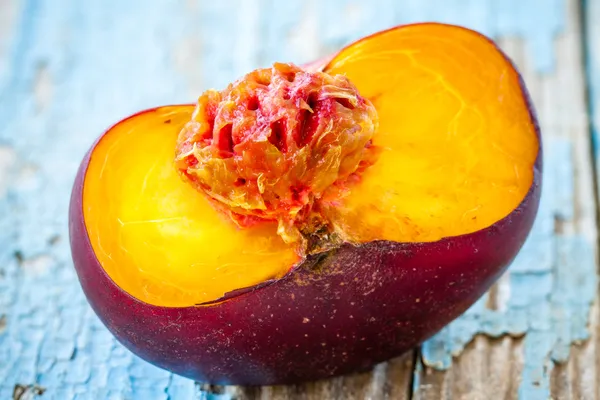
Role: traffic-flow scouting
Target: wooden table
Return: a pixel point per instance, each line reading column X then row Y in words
column 69, row 68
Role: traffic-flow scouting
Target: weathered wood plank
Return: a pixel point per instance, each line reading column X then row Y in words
column 580, row 376
column 592, row 59
column 75, row 67
column 392, row 380
column 553, row 282
column 499, row 361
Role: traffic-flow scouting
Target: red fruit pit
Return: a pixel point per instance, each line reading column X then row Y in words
column 275, row 143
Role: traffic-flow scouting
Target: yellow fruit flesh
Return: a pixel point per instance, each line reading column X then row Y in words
column 155, row 235
column 459, row 143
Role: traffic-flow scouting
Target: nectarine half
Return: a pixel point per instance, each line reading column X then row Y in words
column 309, row 222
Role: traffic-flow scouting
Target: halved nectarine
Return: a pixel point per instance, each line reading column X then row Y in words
column 309, row 222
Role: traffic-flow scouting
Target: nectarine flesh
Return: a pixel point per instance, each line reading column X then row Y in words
column 309, row 222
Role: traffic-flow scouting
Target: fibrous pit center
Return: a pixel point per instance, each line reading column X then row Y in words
column 277, row 145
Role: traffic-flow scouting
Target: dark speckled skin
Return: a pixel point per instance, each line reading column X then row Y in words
column 359, row 306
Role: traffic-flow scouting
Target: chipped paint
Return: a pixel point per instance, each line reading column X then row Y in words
column 552, row 286
column 592, row 27
column 92, row 65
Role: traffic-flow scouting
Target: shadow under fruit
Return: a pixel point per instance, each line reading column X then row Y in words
column 310, row 222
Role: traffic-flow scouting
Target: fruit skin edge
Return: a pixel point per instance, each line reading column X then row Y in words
column 325, row 317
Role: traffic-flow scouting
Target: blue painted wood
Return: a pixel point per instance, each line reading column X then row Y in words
column 592, row 15
column 104, row 59
column 552, row 284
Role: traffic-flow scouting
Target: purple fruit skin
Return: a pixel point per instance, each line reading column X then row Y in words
column 360, row 306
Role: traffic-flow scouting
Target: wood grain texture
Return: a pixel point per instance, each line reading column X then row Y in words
column 554, row 276
column 68, row 69
column 580, row 376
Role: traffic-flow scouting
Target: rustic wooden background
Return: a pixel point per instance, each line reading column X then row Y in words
column 69, row 68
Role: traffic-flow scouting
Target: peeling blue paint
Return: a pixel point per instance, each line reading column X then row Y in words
column 552, row 286
column 591, row 17
column 108, row 58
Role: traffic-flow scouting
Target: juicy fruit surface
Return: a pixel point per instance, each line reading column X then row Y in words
column 276, row 143
column 457, row 147
column 154, row 235
column 458, row 141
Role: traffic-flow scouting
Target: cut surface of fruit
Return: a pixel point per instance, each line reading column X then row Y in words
column 457, row 152
column 154, row 235
column 459, row 144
